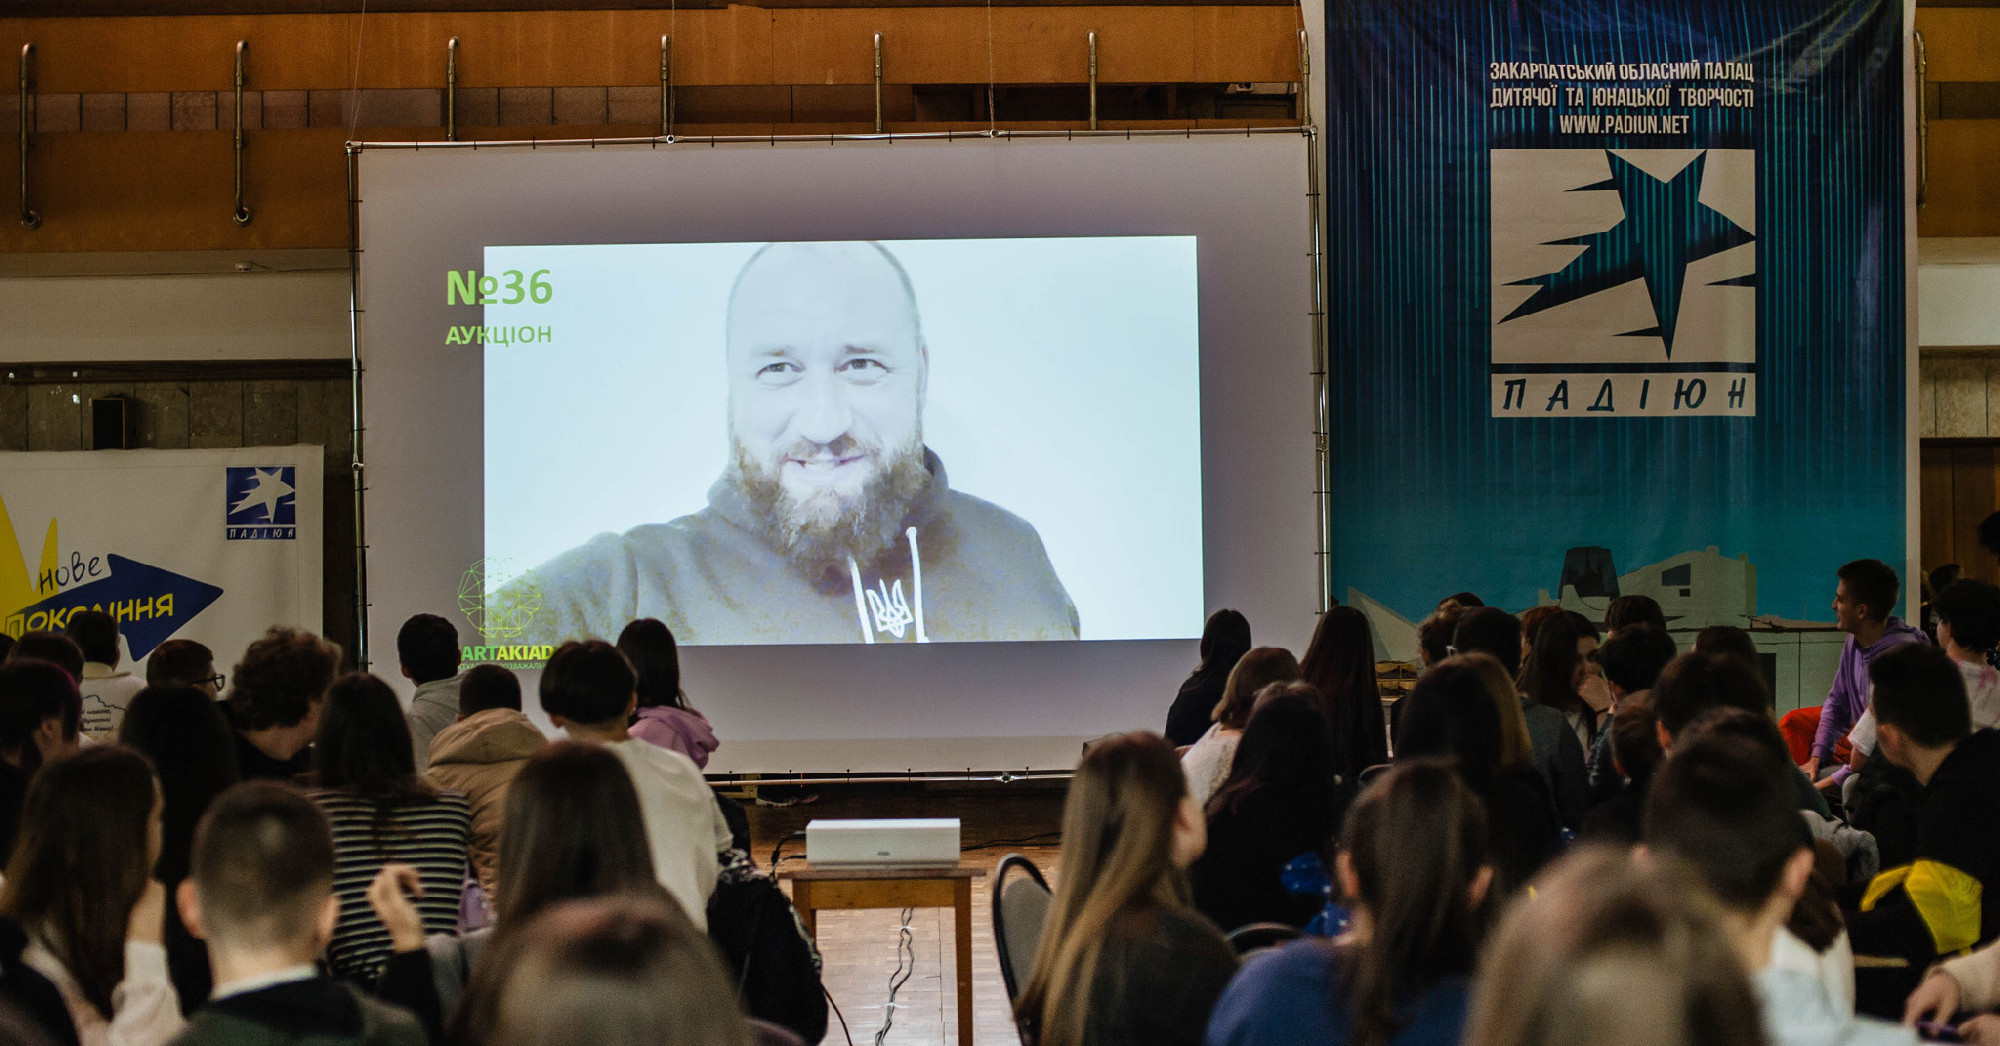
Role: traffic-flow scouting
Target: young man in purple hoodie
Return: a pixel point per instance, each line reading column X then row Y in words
column 1861, row 606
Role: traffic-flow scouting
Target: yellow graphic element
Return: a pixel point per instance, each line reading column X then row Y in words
column 17, row 586
column 512, row 605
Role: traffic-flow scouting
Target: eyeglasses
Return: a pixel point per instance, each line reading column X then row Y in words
column 217, row 679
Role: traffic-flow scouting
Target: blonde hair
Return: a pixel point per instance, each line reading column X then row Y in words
column 1256, row 670
column 1118, row 831
column 1603, row 951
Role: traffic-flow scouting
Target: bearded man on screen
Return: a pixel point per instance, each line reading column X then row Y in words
column 833, row 523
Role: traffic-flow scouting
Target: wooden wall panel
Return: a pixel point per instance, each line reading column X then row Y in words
column 1962, row 43
column 1029, row 45
column 1936, row 544
column 1964, row 197
column 1247, row 44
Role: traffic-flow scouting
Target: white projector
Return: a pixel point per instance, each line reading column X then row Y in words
column 920, row 841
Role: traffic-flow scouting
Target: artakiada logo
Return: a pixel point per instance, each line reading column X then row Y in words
column 262, row 504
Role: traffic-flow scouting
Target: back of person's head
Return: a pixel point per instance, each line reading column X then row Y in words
column 1626, row 611
column 611, row 971
column 1452, row 714
column 571, row 828
column 282, row 677
column 1286, row 745
column 1922, row 694
column 1724, row 806
column 6, row 645
column 427, row 647
column 1635, row 738
column 180, row 662
column 1341, row 663
column 1465, row 600
column 1727, row 639
column 83, row 857
column 1603, row 951
column 1224, row 641
column 1694, row 683
column 589, row 683
column 1554, row 662
column 1634, row 655
column 363, row 745
column 486, row 687
column 33, row 691
column 1989, row 533
column 263, row 870
column 1118, row 849
column 1434, row 633
column 1492, row 631
column 1873, row 584
column 1943, row 577
column 1415, row 844
column 648, row 644
column 1532, row 620
column 53, row 647
column 1971, row 609
column 96, row 634
column 183, row 732
column 1255, row 670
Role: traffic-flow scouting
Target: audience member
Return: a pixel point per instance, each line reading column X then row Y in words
column 1634, row 752
column 1434, row 634
column 478, row 756
column 1340, row 663
column 1207, row 763
column 1124, row 957
column 573, row 829
column 1224, row 641
column 590, row 690
column 182, row 731
column 107, row 689
column 1723, row 807
column 1558, row 756
column 1603, row 952
column 1464, row 600
column 664, row 717
column 427, row 650
column 1561, row 673
column 1412, row 869
column 1630, row 660
column 1456, row 711
column 1968, row 629
column 1728, row 639
column 1861, row 608
column 1532, row 620
column 1282, row 800
column 1948, row 897
column 53, row 647
column 80, row 886
column 260, row 892
column 1961, row 984
column 612, row 971
column 1626, row 611
column 6, row 645
column 39, row 711
column 1693, row 684
column 274, row 702
column 382, row 812
column 183, row 662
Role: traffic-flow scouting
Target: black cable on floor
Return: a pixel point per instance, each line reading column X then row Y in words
column 836, row 1012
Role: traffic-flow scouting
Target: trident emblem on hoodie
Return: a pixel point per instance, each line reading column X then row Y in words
column 890, row 610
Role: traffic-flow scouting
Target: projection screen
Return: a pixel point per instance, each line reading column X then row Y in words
column 1025, row 410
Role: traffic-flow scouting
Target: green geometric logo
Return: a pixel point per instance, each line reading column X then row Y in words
column 516, row 598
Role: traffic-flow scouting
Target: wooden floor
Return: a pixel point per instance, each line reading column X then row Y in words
column 860, row 948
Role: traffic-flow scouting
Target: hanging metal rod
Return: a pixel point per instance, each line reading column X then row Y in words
column 1305, row 80
column 30, row 217
column 878, row 83
column 666, row 85
column 242, row 213
column 1923, row 118
column 1093, row 79
column 451, row 90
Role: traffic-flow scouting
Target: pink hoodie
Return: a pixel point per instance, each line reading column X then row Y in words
column 678, row 730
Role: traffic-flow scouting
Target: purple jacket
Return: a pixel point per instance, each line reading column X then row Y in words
column 1849, row 696
column 678, row 730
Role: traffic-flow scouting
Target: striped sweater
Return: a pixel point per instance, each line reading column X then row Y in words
column 429, row 835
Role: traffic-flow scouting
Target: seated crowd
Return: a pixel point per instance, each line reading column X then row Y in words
column 1559, row 834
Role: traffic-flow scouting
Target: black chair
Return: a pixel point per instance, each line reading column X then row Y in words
column 1020, row 908
column 1259, row 936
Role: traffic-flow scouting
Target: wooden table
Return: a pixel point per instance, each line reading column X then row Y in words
column 821, row 889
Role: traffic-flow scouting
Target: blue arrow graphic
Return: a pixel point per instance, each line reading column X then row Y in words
column 134, row 586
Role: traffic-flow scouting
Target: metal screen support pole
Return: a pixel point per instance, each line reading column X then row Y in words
column 1092, row 37
column 878, row 83
column 30, row 217
column 242, row 213
column 666, row 85
column 1305, row 80
column 354, row 402
column 451, row 90
column 1923, row 118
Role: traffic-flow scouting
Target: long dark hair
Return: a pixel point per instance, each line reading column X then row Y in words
column 572, row 829
column 1224, row 641
column 1451, row 715
column 1417, row 841
column 81, row 862
column 363, row 748
column 1285, row 745
column 183, row 732
column 1340, row 661
column 1550, row 676
column 649, row 644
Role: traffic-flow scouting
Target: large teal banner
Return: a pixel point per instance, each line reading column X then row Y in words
column 1617, row 304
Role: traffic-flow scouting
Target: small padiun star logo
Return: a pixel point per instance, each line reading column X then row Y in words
column 261, row 503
